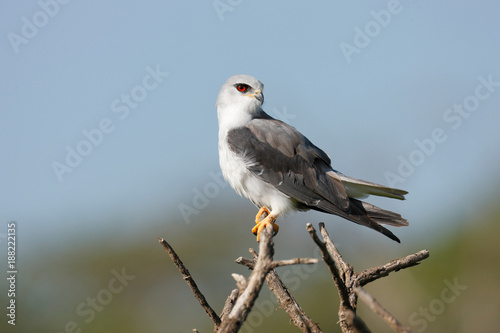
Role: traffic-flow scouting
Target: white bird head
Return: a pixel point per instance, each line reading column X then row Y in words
column 240, row 99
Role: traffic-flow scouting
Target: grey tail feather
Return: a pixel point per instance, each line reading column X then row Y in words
column 373, row 216
column 380, row 215
column 361, row 188
column 366, row 214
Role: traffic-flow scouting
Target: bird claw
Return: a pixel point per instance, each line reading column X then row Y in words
column 262, row 211
column 268, row 220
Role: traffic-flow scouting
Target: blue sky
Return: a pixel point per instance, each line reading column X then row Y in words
column 141, row 79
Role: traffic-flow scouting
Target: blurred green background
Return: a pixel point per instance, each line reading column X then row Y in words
column 402, row 93
column 155, row 298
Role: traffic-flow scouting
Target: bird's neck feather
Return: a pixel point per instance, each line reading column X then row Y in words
column 235, row 116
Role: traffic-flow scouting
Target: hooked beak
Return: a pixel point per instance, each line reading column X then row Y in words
column 258, row 96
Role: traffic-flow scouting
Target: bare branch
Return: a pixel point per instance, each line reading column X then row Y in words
column 327, row 257
column 306, row 261
column 246, row 300
column 189, row 280
column 348, row 283
column 241, row 282
column 346, row 270
column 339, row 279
column 374, row 273
column 358, row 325
column 347, row 274
column 381, row 311
column 245, row 262
column 228, row 306
column 254, row 254
column 278, row 263
column 298, row 317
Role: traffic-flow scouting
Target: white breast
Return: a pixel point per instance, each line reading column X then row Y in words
column 235, row 171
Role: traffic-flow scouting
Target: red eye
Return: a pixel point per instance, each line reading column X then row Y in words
column 241, row 87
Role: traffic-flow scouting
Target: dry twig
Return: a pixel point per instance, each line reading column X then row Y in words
column 298, row 317
column 187, row 277
column 374, row 273
column 341, row 272
column 348, row 283
column 247, row 297
column 228, row 306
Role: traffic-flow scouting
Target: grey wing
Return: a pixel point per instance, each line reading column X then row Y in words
column 278, row 154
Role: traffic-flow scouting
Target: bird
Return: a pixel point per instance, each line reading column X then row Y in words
column 280, row 171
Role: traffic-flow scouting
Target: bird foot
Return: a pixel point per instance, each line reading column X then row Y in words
column 262, row 211
column 268, row 220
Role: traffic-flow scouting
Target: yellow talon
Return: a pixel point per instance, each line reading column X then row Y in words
column 260, row 213
column 257, row 229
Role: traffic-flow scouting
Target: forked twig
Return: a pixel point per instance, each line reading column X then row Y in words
column 298, row 317
column 349, row 283
column 247, row 297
